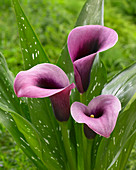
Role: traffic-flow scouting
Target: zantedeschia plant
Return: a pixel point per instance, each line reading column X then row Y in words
column 68, row 116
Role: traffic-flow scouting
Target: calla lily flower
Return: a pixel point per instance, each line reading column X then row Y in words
column 46, row 80
column 84, row 43
column 99, row 116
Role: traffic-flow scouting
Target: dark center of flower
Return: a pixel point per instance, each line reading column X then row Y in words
column 96, row 114
column 48, row 84
column 87, row 49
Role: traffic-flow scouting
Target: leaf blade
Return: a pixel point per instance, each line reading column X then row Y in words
column 123, row 85
column 9, row 123
column 32, row 50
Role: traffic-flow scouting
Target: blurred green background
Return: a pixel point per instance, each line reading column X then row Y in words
column 52, row 20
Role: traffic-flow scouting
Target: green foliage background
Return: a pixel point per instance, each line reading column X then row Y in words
column 52, row 20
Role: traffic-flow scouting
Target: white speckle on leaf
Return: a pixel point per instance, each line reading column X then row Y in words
column 33, row 56
column 24, row 141
column 8, row 101
column 53, row 151
column 97, row 143
column 36, row 55
column 46, row 140
column 52, row 158
column 56, row 148
column 23, row 146
column 68, row 131
column 77, row 144
column 59, row 128
column 22, row 18
column 33, row 158
column 113, row 140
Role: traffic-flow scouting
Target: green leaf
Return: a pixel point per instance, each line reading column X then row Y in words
column 7, row 120
column 122, row 85
column 7, row 95
column 38, row 144
column 123, row 158
column 32, row 50
column 110, row 149
column 44, row 121
column 92, row 13
column 98, row 78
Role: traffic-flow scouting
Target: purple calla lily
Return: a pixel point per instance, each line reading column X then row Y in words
column 99, row 116
column 83, row 44
column 46, row 80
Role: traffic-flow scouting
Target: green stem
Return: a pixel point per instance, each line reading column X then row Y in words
column 79, row 141
column 88, row 153
column 67, row 146
column 83, row 98
column 84, row 139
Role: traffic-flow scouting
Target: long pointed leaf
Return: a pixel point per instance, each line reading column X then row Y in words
column 36, row 142
column 7, row 95
column 7, row 120
column 32, row 50
column 123, row 85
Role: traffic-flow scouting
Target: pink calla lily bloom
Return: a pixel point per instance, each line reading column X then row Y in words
column 99, row 116
column 84, row 43
column 46, row 80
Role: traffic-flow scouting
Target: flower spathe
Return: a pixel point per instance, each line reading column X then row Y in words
column 46, row 80
column 84, row 43
column 100, row 115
